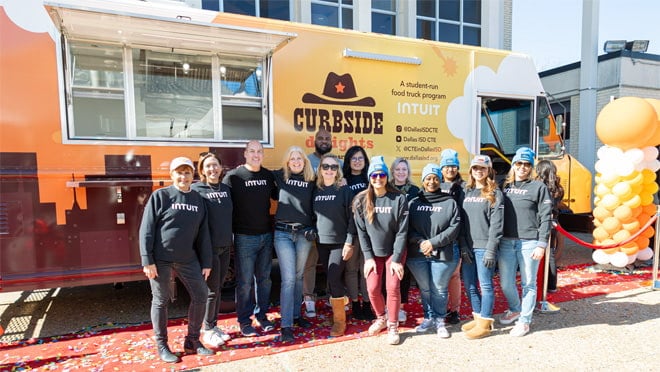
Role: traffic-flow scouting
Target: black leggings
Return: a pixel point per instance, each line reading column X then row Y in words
column 330, row 255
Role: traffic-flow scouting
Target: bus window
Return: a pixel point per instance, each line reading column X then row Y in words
column 550, row 141
column 506, row 124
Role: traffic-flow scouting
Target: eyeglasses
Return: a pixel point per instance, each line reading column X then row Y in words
column 523, row 164
column 333, row 167
column 357, row 159
column 378, row 175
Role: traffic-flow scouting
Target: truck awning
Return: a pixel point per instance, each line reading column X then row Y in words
column 136, row 23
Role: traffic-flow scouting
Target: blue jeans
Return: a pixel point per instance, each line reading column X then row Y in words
column 190, row 274
column 254, row 255
column 482, row 299
column 514, row 254
column 432, row 277
column 292, row 250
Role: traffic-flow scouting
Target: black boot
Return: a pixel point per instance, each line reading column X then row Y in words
column 356, row 309
column 195, row 347
column 367, row 312
column 166, row 355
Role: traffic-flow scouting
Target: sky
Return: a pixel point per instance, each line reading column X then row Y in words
column 550, row 30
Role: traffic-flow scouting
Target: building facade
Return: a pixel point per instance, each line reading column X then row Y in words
column 484, row 23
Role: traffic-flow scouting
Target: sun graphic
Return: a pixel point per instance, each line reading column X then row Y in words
column 450, row 66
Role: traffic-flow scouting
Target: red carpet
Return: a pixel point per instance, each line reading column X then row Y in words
column 132, row 348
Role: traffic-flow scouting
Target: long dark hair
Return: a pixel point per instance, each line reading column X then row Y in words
column 546, row 172
column 365, row 201
column 347, row 161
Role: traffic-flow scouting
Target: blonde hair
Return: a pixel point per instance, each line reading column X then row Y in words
column 338, row 176
column 488, row 191
column 395, row 163
column 308, row 173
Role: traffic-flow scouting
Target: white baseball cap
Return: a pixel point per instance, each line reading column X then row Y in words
column 182, row 160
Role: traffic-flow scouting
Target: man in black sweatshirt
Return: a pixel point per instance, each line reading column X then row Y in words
column 252, row 188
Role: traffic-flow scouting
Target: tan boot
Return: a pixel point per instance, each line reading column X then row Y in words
column 471, row 324
column 338, row 316
column 482, row 329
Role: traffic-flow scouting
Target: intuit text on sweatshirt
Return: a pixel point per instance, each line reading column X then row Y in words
column 297, row 183
column 325, row 197
column 428, row 208
column 256, row 183
column 184, row 207
column 511, row 190
column 475, row 199
column 387, row 210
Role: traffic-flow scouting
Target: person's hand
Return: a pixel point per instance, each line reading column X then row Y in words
column 490, row 259
column 538, row 253
column 206, row 273
column 150, row 271
column 396, row 268
column 426, row 248
column 342, row 182
column 466, row 254
column 369, row 266
column 347, row 252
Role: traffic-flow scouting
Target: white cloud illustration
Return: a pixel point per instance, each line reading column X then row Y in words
column 30, row 15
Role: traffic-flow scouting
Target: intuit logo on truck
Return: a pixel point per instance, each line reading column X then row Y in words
column 339, row 90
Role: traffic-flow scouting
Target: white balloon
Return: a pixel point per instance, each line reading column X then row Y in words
column 623, row 168
column 601, row 167
column 650, row 153
column 632, row 258
column 634, row 156
column 602, row 152
column 653, row 165
column 600, row 257
column 645, row 254
column 619, row 259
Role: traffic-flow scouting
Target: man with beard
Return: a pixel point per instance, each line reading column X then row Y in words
column 322, row 145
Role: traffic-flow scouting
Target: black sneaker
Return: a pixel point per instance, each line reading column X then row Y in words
column 302, row 322
column 356, row 310
column 196, row 347
column 367, row 312
column 248, row 330
column 453, row 317
column 166, row 355
column 287, row 335
column 266, row 325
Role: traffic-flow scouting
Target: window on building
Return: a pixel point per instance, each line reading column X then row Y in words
column 383, row 16
column 334, row 13
column 454, row 21
column 274, row 9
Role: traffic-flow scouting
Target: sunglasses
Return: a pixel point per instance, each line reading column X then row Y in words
column 333, row 167
column 375, row 176
column 523, row 164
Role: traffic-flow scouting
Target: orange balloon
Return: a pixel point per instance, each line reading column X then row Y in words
column 621, row 235
column 632, row 226
column 650, row 209
column 654, row 140
column 630, row 249
column 642, row 242
column 636, row 211
column 611, row 250
column 623, row 213
column 611, row 225
column 626, row 123
column 648, row 233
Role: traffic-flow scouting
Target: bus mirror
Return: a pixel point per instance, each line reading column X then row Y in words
column 559, row 124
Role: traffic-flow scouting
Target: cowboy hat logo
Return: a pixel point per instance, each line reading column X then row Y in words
column 339, row 90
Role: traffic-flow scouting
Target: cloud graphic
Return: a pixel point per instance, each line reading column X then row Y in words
column 515, row 75
column 30, row 15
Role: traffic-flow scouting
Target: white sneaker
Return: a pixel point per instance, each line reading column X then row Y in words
column 225, row 337
column 520, row 329
column 440, row 329
column 426, row 326
column 211, row 338
column 393, row 333
column 402, row 316
column 310, row 307
column 378, row 325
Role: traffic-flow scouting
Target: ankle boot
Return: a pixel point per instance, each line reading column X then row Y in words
column 367, row 312
column 482, row 329
column 338, row 316
column 356, row 310
column 471, row 324
column 166, row 355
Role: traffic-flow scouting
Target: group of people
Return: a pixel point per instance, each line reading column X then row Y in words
column 372, row 229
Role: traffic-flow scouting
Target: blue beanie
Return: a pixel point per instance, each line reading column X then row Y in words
column 377, row 164
column 449, row 157
column 524, row 154
column 431, row 168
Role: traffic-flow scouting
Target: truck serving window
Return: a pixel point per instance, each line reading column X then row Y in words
column 163, row 78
